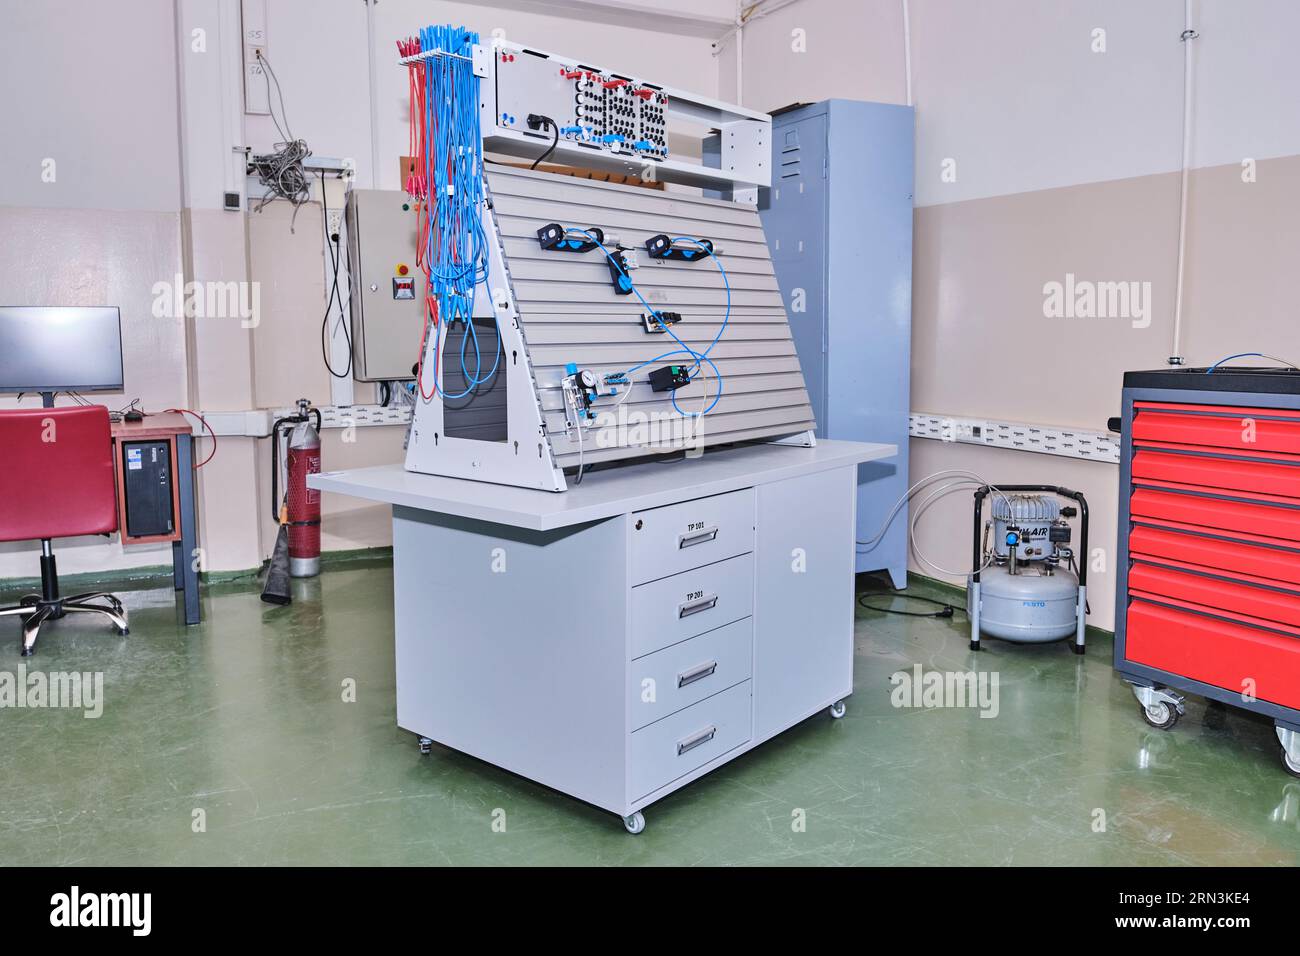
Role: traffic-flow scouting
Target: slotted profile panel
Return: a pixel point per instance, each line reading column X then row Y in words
column 570, row 313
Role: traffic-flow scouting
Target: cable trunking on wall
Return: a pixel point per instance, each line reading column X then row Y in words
column 1019, row 436
column 578, row 322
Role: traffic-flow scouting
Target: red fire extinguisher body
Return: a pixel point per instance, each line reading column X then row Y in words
column 303, row 503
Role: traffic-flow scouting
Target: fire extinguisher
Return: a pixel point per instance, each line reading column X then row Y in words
column 301, row 507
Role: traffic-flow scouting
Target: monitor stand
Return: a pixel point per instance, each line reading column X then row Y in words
column 47, row 399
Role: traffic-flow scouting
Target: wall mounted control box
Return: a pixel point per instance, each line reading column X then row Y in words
column 387, row 299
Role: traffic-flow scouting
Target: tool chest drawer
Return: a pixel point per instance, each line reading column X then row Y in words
column 664, row 682
column 1276, row 476
column 1206, row 647
column 672, row 747
column 670, row 610
column 1208, row 508
column 1253, row 597
column 1217, row 426
column 691, row 534
column 1230, row 552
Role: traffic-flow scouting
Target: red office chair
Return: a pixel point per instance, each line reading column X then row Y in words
column 56, row 482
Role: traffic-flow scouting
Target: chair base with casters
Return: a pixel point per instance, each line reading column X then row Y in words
column 36, row 609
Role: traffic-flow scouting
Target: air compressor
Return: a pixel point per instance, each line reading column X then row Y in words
column 1027, row 586
column 301, row 505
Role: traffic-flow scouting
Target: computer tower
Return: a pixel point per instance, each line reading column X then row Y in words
column 148, row 483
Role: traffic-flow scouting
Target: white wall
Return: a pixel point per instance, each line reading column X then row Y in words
column 319, row 52
column 96, row 92
column 1012, row 90
column 1066, row 161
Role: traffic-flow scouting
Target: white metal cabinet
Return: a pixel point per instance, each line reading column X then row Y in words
column 803, row 649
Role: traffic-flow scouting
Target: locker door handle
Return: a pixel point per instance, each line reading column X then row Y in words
column 696, row 673
column 696, row 606
column 697, row 537
column 690, row 743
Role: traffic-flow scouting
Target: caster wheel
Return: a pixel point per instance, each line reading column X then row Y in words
column 837, row 710
column 26, row 651
column 635, row 823
column 124, row 631
column 1160, row 715
column 426, row 745
column 29, row 600
column 1291, row 764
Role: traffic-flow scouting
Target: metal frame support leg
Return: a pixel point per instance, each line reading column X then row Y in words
column 1081, row 621
column 178, row 570
column 975, row 615
column 186, row 557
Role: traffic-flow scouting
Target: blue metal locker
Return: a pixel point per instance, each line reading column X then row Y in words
column 838, row 220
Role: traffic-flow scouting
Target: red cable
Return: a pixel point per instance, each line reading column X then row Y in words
column 204, row 421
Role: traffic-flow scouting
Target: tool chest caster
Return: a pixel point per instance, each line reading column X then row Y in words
column 1290, row 740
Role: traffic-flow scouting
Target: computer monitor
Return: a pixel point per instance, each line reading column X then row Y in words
column 60, row 349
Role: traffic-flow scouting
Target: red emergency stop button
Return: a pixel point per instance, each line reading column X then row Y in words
column 402, row 269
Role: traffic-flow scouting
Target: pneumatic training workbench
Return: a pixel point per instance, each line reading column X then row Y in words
column 621, row 639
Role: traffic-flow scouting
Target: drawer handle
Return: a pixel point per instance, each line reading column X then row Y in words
column 697, row 673
column 697, row 537
column 696, row 606
column 690, row 743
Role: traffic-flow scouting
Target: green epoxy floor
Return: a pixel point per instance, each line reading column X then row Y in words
column 243, row 718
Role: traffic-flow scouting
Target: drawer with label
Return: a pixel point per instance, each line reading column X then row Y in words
column 670, row 610
column 691, row 534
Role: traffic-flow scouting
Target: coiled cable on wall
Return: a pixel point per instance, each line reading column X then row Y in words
column 281, row 171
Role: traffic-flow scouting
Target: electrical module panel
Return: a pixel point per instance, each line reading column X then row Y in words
column 387, row 289
column 593, row 109
column 600, row 118
column 618, row 113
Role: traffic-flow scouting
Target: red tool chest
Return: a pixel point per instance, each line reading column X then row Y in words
column 1209, row 536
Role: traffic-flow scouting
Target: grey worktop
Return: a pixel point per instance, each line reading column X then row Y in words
column 602, row 494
